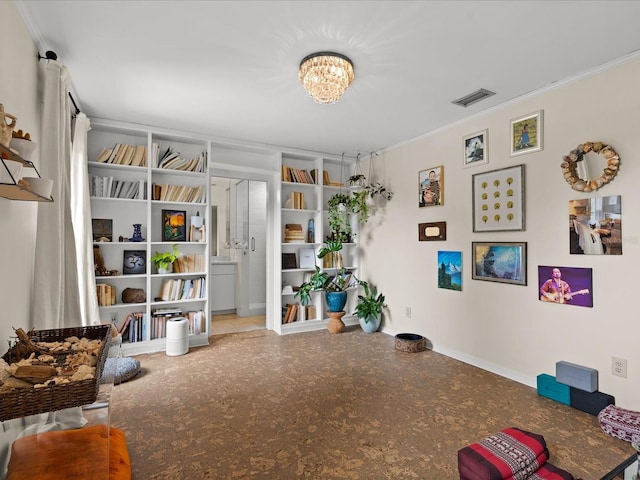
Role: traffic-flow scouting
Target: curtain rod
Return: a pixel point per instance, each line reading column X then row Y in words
column 51, row 55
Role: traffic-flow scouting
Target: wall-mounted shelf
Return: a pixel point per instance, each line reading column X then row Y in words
column 13, row 191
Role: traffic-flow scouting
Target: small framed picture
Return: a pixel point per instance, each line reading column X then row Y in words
column 102, row 229
column 450, row 270
column 134, row 262
column 527, row 134
column 565, row 285
column 174, row 227
column 433, row 231
column 431, row 187
column 503, row 262
column 498, row 200
column 307, row 258
column 476, row 149
column 289, row 261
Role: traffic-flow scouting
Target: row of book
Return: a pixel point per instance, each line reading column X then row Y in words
column 294, row 312
column 178, row 193
column 190, row 263
column 106, row 294
column 173, row 160
column 138, row 326
column 299, row 175
column 296, row 201
column 123, row 154
column 109, row 187
column 174, row 289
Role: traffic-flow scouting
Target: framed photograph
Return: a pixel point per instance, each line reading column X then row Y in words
column 565, row 285
column 174, row 226
column 503, row 262
column 476, row 149
column 595, row 226
column 431, row 187
column 289, row 261
column 102, row 229
column 134, row 262
column 432, row 231
column 307, row 258
column 526, row 134
column 450, row 270
column 498, row 200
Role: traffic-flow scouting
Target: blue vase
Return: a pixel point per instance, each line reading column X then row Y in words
column 336, row 301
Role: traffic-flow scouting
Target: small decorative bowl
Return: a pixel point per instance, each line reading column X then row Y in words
column 25, row 148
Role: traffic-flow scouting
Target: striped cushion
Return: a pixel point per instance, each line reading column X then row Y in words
column 620, row 423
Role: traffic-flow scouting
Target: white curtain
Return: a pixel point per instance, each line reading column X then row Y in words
column 63, row 294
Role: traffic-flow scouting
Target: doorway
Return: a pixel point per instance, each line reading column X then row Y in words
column 238, row 287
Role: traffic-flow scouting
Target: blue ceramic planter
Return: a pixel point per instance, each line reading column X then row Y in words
column 372, row 325
column 336, row 301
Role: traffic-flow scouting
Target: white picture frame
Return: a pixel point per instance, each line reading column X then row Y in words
column 475, row 149
column 307, row 258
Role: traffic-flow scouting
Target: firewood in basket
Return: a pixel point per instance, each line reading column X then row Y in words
column 35, row 373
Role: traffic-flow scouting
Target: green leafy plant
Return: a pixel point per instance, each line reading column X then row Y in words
column 164, row 259
column 370, row 304
column 340, row 207
column 322, row 281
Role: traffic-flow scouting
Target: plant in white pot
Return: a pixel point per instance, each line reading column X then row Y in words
column 369, row 307
column 163, row 261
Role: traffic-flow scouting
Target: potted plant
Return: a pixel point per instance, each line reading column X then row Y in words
column 332, row 247
column 163, row 261
column 369, row 307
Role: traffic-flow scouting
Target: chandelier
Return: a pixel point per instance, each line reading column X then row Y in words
column 326, row 75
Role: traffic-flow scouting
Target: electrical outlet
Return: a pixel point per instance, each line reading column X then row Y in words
column 114, row 318
column 407, row 312
column 619, row 367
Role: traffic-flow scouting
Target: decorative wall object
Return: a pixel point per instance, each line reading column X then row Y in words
column 134, row 262
column 595, row 226
column 450, row 270
column 289, row 261
column 102, row 229
column 432, row 231
column 476, row 149
column 565, row 285
column 527, row 134
column 504, row 262
column 578, row 171
column 498, row 200
column 174, row 227
column 431, row 186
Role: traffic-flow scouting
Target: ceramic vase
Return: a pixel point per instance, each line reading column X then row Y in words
column 371, row 325
column 336, row 301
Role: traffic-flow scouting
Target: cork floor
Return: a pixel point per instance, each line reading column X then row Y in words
column 232, row 323
column 315, row 405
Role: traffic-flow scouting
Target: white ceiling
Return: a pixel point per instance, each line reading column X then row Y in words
column 228, row 69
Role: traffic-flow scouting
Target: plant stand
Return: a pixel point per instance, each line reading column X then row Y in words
column 336, row 325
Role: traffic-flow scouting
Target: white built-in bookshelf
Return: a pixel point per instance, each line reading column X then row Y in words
column 304, row 196
column 136, row 187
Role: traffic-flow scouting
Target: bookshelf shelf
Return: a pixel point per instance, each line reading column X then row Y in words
column 189, row 194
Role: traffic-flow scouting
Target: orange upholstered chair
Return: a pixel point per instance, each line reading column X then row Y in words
column 79, row 454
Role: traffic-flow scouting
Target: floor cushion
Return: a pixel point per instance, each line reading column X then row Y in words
column 620, row 423
column 122, row 369
column 71, row 455
column 510, row 453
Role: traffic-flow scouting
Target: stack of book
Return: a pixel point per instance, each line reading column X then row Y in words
column 293, row 233
column 298, row 175
column 191, row 263
column 159, row 319
column 106, row 294
column 121, row 154
column 183, row 289
column 326, row 180
column 173, row 160
column 178, row 193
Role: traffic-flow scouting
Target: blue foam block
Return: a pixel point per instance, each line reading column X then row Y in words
column 550, row 388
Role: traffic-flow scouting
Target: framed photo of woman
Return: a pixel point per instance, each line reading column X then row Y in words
column 431, row 187
column 526, row 134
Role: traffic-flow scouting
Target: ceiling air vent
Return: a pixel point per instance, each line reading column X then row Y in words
column 473, row 97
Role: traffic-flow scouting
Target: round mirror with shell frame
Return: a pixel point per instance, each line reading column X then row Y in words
column 571, row 166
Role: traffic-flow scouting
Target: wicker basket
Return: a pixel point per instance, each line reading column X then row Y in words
column 21, row 402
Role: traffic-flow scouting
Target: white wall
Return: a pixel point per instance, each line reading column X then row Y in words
column 501, row 327
column 20, row 96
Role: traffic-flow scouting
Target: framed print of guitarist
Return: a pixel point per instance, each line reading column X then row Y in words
column 557, row 290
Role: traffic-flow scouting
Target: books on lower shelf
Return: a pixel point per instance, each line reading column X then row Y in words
column 294, row 312
column 183, row 289
column 109, row 187
column 123, row 154
column 178, row 193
